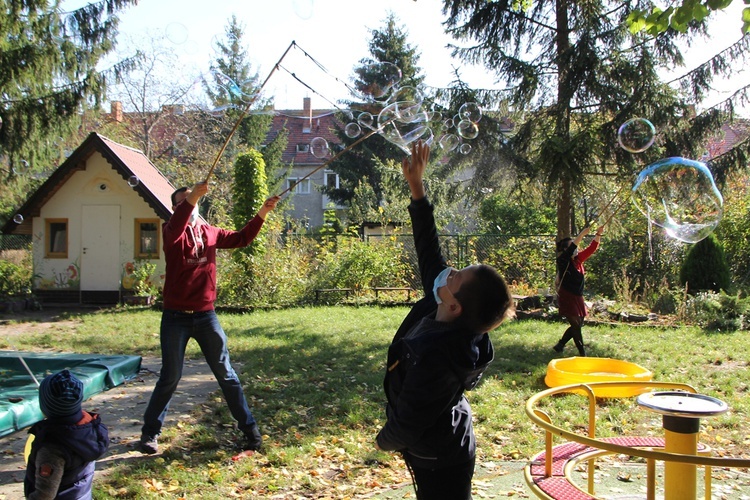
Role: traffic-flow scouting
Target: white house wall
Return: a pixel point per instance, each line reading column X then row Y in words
column 98, row 184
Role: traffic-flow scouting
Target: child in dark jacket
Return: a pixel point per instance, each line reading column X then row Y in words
column 66, row 443
column 440, row 350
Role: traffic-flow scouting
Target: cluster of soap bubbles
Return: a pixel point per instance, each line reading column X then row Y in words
column 404, row 117
column 675, row 193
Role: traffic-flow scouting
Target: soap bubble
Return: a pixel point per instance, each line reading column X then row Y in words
column 470, row 111
column 365, row 119
column 406, row 94
column 352, row 130
column 319, row 147
column 18, row 218
column 176, row 33
column 636, row 135
column 21, row 167
column 448, row 123
column 401, row 125
column 467, row 129
column 681, row 196
column 1, row 122
column 303, row 8
column 235, row 92
column 464, row 149
column 381, row 78
column 133, row 181
column 180, row 141
column 449, row 142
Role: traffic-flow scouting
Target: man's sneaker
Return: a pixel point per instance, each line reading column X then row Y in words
column 148, row 444
column 253, row 439
column 558, row 347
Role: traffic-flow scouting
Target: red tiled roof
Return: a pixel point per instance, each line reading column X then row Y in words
column 153, row 187
column 303, row 129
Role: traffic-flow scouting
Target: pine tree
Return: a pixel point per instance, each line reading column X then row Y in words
column 232, row 90
column 233, row 86
column 387, row 45
column 575, row 73
column 49, row 74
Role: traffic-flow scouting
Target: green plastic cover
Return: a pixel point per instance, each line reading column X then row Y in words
column 19, row 394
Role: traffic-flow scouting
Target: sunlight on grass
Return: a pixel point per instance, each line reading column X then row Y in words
column 313, row 377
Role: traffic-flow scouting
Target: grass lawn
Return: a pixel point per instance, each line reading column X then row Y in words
column 313, row 377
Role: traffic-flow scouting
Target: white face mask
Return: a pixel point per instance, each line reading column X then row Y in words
column 441, row 281
column 194, row 215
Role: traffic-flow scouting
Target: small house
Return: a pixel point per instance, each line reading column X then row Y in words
column 94, row 222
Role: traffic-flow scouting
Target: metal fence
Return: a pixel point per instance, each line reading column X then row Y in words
column 15, row 242
column 523, row 260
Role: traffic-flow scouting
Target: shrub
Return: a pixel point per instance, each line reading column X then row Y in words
column 705, row 267
column 359, row 265
column 278, row 276
column 15, row 273
column 718, row 311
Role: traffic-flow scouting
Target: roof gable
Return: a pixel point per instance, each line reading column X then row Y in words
column 152, row 186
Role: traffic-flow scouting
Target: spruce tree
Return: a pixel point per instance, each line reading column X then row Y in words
column 387, row 45
column 49, row 72
column 574, row 74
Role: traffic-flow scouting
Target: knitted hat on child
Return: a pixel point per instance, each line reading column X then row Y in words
column 60, row 395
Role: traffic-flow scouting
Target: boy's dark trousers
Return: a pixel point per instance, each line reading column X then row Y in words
column 452, row 483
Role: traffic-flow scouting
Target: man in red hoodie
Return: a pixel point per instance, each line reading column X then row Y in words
column 189, row 294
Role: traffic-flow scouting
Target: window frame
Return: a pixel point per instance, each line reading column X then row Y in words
column 298, row 181
column 137, row 239
column 48, row 253
column 330, row 173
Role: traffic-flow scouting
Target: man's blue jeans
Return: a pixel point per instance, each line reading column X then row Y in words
column 177, row 328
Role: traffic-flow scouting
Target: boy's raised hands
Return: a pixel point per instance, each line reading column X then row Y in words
column 413, row 168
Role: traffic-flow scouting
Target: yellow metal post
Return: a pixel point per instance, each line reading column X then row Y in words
column 680, row 436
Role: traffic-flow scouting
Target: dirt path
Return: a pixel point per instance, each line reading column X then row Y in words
column 121, row 408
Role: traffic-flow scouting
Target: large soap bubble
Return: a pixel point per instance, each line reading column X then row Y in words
column 470, row 111
column 449, row 142
column 365, row 119
column 636, row 135
column 176, row 33
column 319, row 147
column 402, row 123
column 681, row 196
column 303, row 8
column 352, row 130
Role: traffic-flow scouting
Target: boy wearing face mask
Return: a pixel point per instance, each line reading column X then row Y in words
column 440, row 350
column 189, row 294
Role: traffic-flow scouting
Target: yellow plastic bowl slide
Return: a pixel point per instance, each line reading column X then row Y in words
column 583, row 370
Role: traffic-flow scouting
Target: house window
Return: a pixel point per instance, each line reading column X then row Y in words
column 147, row 238
column 299, row 187
column 56, row 245
column 303, row 148
column 331, row 179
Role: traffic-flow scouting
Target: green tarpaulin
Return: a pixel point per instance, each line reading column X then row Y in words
column 19, row 395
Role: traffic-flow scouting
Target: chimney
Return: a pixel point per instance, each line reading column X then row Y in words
column 307, row 110
column 116, row 111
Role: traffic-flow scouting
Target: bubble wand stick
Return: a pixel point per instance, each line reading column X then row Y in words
column 245, row 111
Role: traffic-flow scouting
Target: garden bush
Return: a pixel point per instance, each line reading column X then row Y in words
column 15, row 273
column 705, row 267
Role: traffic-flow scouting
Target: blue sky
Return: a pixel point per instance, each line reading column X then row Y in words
column 335, row 33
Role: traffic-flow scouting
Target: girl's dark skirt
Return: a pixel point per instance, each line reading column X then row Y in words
column 570, row 305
